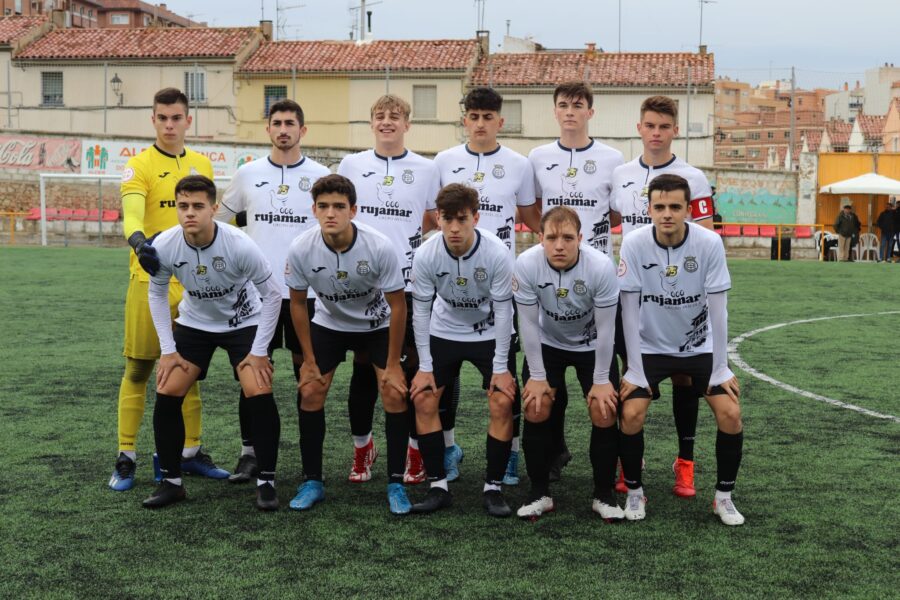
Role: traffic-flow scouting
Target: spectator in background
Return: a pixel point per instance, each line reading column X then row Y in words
column 846, row 226
column 896, row 238
column 885, row 223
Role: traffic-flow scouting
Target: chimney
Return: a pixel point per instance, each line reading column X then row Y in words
column 702, row 49
column 857, row 84
column 266, row 28
column 58, row 18
column 591, row 48
column 846, row 86
column 484, row 41
column 368, row 35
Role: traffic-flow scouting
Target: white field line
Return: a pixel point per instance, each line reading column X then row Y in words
column 740, row 362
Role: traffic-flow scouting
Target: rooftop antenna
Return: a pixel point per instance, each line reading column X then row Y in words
column 359, row 22
column 507, row 27
column 479, row 14
column 702, row 2
column 281, row 19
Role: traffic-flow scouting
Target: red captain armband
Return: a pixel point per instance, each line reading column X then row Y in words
column 701, row 208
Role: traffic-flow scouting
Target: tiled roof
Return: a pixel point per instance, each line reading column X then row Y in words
column 839, row 132
column 335, row 56
column 152, row 42
column 12, row 28
column 871, row 126
column 600, row 68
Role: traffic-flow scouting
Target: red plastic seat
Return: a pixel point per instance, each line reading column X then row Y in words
column 64, row 214
column 93, row 214
column 767, row 231
column 110, row 215
column 522, row 228
column 803, row 232
column 34, row 214
column 731, row 231
column 751, row 231
column 80, row 214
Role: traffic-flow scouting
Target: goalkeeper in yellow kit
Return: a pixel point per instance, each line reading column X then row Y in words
column 148, row 204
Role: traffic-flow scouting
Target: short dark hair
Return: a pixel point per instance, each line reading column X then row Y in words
column 286, row 105
column 559, row 215
column 662, row 105
column 670, row 183
column 455, row 198
column 334, row 184
column 483, row 98
column 171, row 95
column 575, row 90
column 196, row 183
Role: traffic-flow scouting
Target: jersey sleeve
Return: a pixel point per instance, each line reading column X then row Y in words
column 717, row 277
column 607, row 291
column 254, row 264
column 390, row 277
column 343, row 167
column 523, row 283
column 434, row 186
column 525, row 195
column 701, row 198
column 423, row 287
column 294, row 275
column 165, row 272
column 629, row 277
column 501, row 285
column 535, row 167
column 234, row 200
column 133, row 192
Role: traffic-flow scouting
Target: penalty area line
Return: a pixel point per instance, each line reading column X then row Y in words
column 736, row 358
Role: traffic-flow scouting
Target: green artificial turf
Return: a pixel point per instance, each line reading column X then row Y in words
column 818, row 484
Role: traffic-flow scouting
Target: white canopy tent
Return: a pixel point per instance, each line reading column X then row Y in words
column 870, row 183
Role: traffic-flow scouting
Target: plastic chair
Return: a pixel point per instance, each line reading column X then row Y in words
column 731, row 231
column 868, row 244
column 110, row 215
column 34, row 214
column 80, row 214
column 751, row 231
column 803, row 232
column 767, row 231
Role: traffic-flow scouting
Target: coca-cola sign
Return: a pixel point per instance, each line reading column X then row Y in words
column 40, row 154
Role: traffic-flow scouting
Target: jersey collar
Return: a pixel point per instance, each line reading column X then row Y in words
column 213, row 241
column 574, row 264
column 473, row 153
column 687, row 230
column 559, row 143
column 662, row 166
column 277, row 166
column 348, row 248
column 385, row 158
column 465, row 256
column 164, row 153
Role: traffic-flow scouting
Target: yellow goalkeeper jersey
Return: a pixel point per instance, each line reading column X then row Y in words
column 148, row 192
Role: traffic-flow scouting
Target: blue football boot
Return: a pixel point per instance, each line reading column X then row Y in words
column 308, row 495
column 453, row 456
column 122, row 478
column 202, row 464
column 397, row 500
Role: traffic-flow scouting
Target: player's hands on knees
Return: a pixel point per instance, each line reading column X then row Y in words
column 503, row 383
column 393, row 377
column 604, row 396
column 534, row 393
column 309, row 373
column 261, row 367
column 627, row 387
column 422, row 383
column 731, row 387
column 167, row 364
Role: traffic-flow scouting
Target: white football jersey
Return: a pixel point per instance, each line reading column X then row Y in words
column 566, row 298
column 673, row 284
column 278, row 205
column 466, row 286
column 218, row 279
column 392, row 195
column 349, row 285
column 580, row 178
column 631, row 181
column 504, row 180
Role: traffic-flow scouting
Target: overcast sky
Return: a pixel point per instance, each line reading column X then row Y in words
column 828, row 42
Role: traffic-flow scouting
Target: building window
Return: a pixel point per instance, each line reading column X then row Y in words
column 753, row 135
column 147, row 20
column 787, row 134
column 754, row 153
column 424, row 102
column 512, row 116
column 271, row 95
column 119, row 19
column 770, row 135
column 52, row 88
column 195, row 86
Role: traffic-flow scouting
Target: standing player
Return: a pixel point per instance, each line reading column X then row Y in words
column 230, row 301
column 465, row 276
column 148, row 204
column 658, row 127
column 396, row 190
column 574, row 171
column 674, row 282
column 274, row 193
column 567, row 295
column 360, row 306
column 504, row 181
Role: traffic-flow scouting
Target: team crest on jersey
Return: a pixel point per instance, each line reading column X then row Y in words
column 388, row 180
column 407, row 176
column 691, row 264
column 515, row 284
column 590, row 167
column 499, row 172
column 477, row 177
column 362, row 267
column 127, row 175
column 623, row 268
column 305, row 184
column 645, row 191
column 571, row 172
column 341, row 275
column 201, row 269
column 480, row 274
column 283, row 189
column 461, row 281
column 579, row 287
column 672, row 270
column 218, row 263
column 562, row 292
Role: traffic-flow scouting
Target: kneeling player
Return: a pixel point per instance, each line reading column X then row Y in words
column 230, row 301
column 467, row 274
column 360, row 306
column 567, row 294
column 673, row 279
